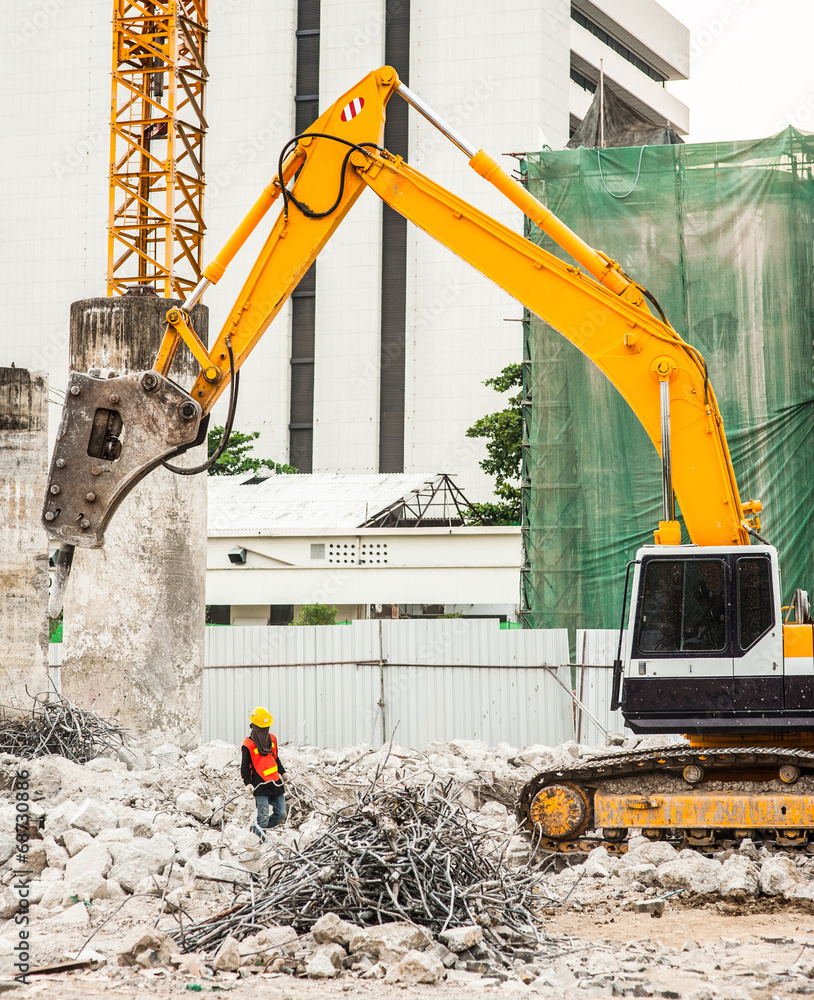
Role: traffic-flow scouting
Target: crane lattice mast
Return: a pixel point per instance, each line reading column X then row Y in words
column 155, row 224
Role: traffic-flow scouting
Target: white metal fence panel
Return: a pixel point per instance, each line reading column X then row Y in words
column 596, row 651
column 364, row 682
column 422, row 680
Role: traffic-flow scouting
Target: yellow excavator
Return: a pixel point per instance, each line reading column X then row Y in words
column 703, row 649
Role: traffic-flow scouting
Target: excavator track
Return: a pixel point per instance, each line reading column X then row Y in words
column 732, row 792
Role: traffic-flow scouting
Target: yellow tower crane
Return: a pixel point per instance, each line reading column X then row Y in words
column 157, row 130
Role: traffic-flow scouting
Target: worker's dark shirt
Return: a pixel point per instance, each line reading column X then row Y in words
column 251, row 777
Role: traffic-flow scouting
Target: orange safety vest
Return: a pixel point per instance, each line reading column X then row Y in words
column 264, row 763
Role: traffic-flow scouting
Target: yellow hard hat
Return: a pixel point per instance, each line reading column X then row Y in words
column 261, row 717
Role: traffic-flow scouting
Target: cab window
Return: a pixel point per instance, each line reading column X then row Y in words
column 755, row 604
column 683, row 606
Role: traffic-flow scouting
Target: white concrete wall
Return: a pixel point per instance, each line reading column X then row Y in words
column 501, row 79
column 408, row 566
column 348, row 306
column 250, row 110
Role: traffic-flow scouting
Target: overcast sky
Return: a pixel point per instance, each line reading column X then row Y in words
column 751, row 66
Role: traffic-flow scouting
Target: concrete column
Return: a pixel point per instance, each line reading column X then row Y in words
column 23, row 543
column 134, row 609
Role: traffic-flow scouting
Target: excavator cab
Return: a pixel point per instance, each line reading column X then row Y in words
column 705, row 645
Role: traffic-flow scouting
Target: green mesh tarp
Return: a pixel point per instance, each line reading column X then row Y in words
column 722, row 235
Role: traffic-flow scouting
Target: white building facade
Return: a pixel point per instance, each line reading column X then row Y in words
column 279, row 543
column 377, row 362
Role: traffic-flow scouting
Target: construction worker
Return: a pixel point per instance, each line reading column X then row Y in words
column 261, row 770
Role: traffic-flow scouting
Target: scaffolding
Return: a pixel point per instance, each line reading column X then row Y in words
column 157, row 129
column 439, row 503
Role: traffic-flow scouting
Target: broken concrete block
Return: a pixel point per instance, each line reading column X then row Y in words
column 8, row 845
column 58, row 819
column 228, row 957
column 738, row 877
column 389, row 942
column 140, row 940
column 94, row 857
column 75, row 916
column 652, row 906
column 134, row 760
column 192, row 804
column 320, row 965
column 115, row 835
column 779, row 876
column 9, row 903
column 458, row 939
column 643, row 851
column 75, row 840
column 272, row 940
column 443, row 954
column 52, row 896
column 330, row 928
column 55, row 855
column 36, row 857
column 377, row 971
column 416, row 967
column 690, row 871
column 646, row 874
column 214, row 757
column 167, row 753
column 139, row 858
column 87, row 886
column 139, row 821
column 191, row 965
column 93, row 817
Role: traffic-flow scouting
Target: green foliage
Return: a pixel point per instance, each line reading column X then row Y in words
column 53, row 625
column 451, row 614
column 503, row 432
column 316, row 614
column 238, row 458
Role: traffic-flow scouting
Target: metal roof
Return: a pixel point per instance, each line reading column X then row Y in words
column 242, row 505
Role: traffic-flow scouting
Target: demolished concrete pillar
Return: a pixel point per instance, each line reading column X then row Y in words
column 134, row 609
column 23, row 543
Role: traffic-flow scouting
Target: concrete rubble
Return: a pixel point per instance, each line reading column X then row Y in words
column 131, row 847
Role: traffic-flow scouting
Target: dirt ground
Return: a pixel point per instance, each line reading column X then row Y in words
column 780, row 938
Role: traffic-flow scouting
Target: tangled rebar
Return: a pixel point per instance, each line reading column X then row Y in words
column 410, row 854
column 56, row 726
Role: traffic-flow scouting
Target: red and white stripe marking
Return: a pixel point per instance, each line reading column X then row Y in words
column 352, row 110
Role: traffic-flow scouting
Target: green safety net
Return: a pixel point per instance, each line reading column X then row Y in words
column 722, row 235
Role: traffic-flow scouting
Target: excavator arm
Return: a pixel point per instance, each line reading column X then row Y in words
column 138, row 421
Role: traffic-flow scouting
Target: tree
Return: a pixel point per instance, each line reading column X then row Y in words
column 238, row 458
column 503, row 432
column 316, row 614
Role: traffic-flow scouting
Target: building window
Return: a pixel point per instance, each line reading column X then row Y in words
column 218, row 614
column 617, row 46
column 318, row 550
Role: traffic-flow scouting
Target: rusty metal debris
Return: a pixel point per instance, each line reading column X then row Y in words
column 56, row 726
column 412, row 854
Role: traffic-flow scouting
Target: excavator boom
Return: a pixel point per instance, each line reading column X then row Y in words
column 594, row 305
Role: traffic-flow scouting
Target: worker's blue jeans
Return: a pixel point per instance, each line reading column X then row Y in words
column 265, row 822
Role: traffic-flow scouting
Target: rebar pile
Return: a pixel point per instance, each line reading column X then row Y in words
column 57, row 726
column 412, row 854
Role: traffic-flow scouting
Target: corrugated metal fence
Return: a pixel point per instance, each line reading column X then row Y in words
column 367, row 681
column 417, row 681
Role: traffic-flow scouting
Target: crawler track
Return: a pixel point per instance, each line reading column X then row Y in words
column 591, row 772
